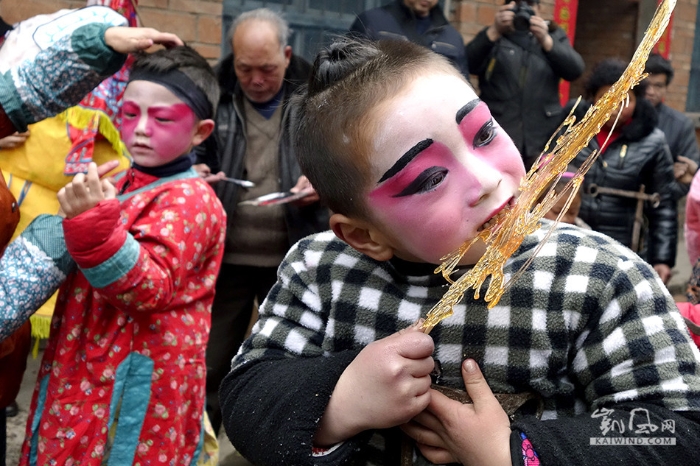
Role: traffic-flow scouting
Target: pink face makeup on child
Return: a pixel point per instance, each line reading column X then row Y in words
column 157, row 126
column 439, row 191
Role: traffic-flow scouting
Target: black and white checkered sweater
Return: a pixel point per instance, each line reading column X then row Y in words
column 588, row 324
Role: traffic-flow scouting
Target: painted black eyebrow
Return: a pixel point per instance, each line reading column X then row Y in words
column 406, row 158
column 464, row 111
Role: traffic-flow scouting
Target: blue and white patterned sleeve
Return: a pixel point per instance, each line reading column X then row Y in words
column 33, row 268
column 59, row 76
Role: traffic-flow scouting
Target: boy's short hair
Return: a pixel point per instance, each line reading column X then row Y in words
column 187, row 61
column 331, row 124
column 606, row 73
column 656, row 64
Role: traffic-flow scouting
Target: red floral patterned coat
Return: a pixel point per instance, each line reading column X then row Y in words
column 123, row 377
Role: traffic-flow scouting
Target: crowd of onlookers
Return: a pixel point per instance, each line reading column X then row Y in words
column 141, row 261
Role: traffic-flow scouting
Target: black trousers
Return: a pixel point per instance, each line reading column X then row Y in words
column 237, row 289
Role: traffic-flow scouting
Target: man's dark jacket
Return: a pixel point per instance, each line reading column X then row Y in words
column 680, row 136
column 519, row 82
column 638, row 156
column 397, row 21
column 225, row 149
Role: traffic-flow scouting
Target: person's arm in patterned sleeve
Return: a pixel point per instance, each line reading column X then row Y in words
column 31, row 270
column 632, row 357
column 63, row 73
column 33, row 267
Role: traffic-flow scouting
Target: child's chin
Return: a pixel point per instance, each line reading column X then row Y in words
column 475, row 252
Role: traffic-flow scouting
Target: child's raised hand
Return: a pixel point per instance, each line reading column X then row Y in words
column 471, row 434
column 86, row 191
column 386, row 385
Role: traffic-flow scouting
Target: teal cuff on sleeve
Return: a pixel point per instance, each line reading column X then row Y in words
column 11, row 103
column 116, row 266
column 46, row 232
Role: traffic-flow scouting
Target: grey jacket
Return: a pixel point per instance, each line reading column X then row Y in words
column 680, row 136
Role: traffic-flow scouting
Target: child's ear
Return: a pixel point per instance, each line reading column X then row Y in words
column 362, row 237
column 203, row 130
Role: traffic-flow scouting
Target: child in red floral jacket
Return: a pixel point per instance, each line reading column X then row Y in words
column 123, row 375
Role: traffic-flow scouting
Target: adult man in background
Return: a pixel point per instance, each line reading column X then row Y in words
column 520, row 59
column 678, row 128
column 420, row 21
column 252, row 142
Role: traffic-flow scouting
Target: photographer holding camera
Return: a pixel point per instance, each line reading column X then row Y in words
column 519, row 60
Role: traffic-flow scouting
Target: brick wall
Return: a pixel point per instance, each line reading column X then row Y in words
column 17, row 10
column 197, row 22
column 604, row 29
column 681, row 51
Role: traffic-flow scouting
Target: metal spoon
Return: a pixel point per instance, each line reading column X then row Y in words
column 244, row 183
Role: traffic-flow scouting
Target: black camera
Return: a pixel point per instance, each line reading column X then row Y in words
column 523, row 13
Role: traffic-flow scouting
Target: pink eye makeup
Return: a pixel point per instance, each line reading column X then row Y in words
column 171, row 113
column 468, row 118
column 130, row 110
column 426, row 165
column 421, row 169
column 485, row 135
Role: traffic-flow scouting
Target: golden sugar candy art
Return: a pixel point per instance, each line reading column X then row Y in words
column 537, row 194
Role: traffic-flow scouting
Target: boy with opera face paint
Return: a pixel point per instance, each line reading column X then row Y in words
column 123, row 374
column 412, row 164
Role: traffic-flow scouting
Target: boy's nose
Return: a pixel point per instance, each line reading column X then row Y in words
column 142, row 127
column 487, row 179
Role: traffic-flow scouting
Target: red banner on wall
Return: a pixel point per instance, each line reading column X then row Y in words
column 663, row 46
column 565, row 16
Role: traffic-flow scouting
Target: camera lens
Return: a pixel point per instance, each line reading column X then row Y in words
column 523, row 13
column 521, row 22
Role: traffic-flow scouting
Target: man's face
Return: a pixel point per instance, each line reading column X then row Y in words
column 656, row 90
column 571, row 213
column 625, row 110
column 259, row 60
column 157, row 126
column 441, row 168
column 420, row 7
